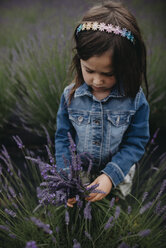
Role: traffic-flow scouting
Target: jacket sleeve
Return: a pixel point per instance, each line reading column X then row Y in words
column 133, row 144
column 62, row 152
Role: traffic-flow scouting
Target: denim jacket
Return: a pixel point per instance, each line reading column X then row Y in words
column 114, row 130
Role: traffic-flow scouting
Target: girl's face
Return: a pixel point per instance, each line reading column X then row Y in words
column 98, row 73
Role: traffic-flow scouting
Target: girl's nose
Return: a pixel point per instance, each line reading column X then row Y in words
column 97, row 80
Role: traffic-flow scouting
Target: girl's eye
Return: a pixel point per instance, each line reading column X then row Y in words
column 88, row 71
column 108, row 74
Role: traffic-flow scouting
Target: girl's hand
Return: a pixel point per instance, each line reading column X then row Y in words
column 105, row 185
column 70, row 202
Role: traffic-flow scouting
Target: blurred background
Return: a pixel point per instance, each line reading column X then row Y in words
column 35, row 55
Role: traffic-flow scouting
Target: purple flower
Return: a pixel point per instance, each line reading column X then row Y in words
column 76, row 244
column 145, row 207
column 129, row 210
column 51, row 158
column 12, row 235
column 163, row 186
column 108, row 224
column 87, row 211
column 40, row 224
column 10, row 212
column 67, row 218
column 88, row 235
column 117, row 212
column 144, row 233
column 144, row 196
column 158, row 207
column 112, row 202
column 123, row 245
column 57, row 229
column 4, row 228
column 12, row 192
column 31, row 244
column 155, row 136
column 18, row 142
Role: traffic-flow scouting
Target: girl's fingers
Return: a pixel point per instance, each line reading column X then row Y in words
column 70, row 202
column 69, row 205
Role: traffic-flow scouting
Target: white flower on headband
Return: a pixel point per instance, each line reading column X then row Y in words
column 102, row 26
column 95, row 26
column 123, row 33
column 117, row 30
column 109, row 28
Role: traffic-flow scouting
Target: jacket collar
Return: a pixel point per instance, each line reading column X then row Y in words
column 84, row 89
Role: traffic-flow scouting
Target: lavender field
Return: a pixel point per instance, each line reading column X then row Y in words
column 35, row 55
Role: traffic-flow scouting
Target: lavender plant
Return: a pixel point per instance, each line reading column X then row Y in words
column 7, row 89
column 137, row 221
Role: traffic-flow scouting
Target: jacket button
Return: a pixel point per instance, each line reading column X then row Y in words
column 97, row 143
column 97, row 122
column 80, row 119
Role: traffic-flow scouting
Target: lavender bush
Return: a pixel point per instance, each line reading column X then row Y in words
column 7, row 89
column 34, row 213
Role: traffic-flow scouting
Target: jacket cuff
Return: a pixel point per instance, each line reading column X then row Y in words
column 114, row 172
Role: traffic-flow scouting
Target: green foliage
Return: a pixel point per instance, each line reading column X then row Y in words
column 7, row 91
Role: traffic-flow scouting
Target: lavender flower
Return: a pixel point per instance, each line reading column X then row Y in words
column 108, row 224
column 88, row 235
column 112, row 202
column 31, row 244
column 12, row 192
column 117, row 212
column 158, row 207
column 12, row 235
column 155, row 136
column 76, row 244
column 123, row 245
column 87, row 211
column 45, row 227
column 145, row 207
column 10, row 212
column 67, row 218
column 57, row 229
column 129, row 209
column 4, row 228
column 144, row 196
column 18, row 142
column 51, row 158
column 163, row 186
column 144, row 233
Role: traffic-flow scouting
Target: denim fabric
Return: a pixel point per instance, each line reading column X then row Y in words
column 113, row 131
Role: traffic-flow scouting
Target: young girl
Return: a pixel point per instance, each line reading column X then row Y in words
column 105, row 109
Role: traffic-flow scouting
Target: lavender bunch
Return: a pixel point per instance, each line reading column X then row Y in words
column 60, row 185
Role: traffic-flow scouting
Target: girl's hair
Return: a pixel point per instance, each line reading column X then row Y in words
column 129, row 60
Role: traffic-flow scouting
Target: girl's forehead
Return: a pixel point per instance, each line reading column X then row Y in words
column 103, row 61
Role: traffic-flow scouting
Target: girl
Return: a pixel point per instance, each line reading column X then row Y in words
column 105, row 109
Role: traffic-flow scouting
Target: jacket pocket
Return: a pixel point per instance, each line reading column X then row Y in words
column 79, row 118
column 119, row 119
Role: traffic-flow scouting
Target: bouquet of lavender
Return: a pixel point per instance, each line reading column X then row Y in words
column 61, row 184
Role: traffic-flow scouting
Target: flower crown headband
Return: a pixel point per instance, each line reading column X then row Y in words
column 109, row 28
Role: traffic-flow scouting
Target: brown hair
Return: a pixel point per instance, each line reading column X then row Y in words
column 129, row 60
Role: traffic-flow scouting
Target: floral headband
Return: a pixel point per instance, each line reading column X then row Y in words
column 109, row 28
